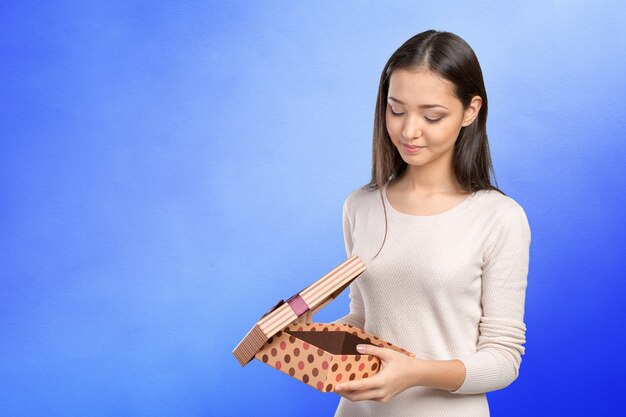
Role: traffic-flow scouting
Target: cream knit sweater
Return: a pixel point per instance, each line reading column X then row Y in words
column 446, row 286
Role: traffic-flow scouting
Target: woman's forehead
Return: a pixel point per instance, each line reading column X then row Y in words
column 416, row 87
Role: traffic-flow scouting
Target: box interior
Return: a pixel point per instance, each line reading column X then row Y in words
column 337, row 343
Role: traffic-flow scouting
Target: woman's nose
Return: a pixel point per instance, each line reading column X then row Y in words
column 412, row 128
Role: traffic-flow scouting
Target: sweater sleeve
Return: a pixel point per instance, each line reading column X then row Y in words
column 356, row 317
column 502, row 331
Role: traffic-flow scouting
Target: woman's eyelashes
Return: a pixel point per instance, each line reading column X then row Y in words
column 428, row 119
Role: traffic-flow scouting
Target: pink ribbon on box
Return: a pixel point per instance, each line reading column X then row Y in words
column 298, row 305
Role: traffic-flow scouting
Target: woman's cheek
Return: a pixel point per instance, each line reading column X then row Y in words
column 392, row 128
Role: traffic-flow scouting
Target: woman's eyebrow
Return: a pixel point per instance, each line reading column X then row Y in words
column 423, row 106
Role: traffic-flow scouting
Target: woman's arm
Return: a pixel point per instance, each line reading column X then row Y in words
column 502, row 332
column 495, row 364
column 356, row 317
column 399, row 372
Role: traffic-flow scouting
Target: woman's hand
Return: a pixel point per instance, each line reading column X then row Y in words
column 399, row 372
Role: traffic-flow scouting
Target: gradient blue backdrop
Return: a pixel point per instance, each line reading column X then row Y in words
column 170, row 169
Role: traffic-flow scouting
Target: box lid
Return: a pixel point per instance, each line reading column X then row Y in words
column 312, row 298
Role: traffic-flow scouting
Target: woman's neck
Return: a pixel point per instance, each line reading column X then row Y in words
column 430, row 180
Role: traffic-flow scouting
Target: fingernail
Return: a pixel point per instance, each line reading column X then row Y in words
column 338, row 387
column 360, row 348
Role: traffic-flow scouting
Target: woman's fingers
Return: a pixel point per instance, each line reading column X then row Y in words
column 361, row 385
column 363, row 389
column 373, row 395
column 390, row 380
column 383, row 354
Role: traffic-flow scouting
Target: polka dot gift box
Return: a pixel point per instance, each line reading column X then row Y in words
column 319, row 354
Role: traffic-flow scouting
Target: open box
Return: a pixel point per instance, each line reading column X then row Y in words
column 318, row 354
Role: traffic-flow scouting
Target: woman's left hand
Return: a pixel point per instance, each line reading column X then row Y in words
column 398, row 372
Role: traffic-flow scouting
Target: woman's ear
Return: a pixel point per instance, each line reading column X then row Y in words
column 471, row 112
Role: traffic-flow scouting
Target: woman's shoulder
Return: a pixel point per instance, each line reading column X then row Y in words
column 499, row 201
column 500, row 208
column 362, row 195
column 361, row 198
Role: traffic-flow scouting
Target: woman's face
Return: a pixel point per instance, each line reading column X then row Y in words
column 424, row 117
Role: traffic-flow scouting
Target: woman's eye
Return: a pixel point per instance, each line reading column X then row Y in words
column 396, row 114
column 429, row 120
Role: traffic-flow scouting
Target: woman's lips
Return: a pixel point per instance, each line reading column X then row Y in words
column 412, row 149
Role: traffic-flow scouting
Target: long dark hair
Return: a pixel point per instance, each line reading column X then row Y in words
column 452, row 59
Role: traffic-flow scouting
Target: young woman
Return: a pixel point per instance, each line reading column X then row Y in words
column 447, row 252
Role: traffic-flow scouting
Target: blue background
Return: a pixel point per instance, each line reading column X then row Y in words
column 170, row 169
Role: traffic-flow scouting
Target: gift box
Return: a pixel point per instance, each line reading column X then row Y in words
column 321, row 355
